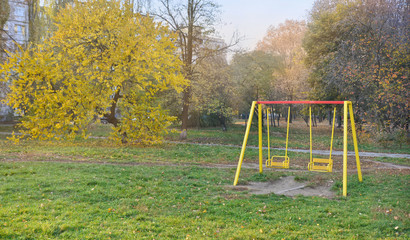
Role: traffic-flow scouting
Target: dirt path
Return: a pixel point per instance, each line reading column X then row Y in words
column 319, row 152
column 372, row 164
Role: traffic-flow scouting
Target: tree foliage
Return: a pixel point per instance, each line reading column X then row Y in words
column 253, row 76
column 4, row 12
column 213, row 90
column 103, row 60
column 4, row 16
column 359, row 50
column 285, row 41
column 41, row 14
column 193, row 21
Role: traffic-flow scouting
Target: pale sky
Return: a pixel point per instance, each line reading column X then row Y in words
column 251, row 18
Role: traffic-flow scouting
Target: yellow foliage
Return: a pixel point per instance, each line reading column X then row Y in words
column 99, row 48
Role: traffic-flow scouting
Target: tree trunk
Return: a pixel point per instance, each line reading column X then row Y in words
column 222, row 120
column 188, row 70
column 110, row 117
column 32, row 15
column 330, row 117
column 314, row 122
column 291, row 115
column 272, row 117
column 306, row 119
column 339, row 121
column 184, row 116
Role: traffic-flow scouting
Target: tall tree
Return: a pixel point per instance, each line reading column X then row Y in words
column 192, row 20
column 4, row 16
column 103, row 60
column 254, row 78
column 4, row 12
column 213, row 90
column 321, row 40
column 285, row 40
column 359, row 50
column 41, row 16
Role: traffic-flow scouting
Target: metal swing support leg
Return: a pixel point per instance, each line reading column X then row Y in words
column 347, row 106
column 345, row 149
column 260, row 137
column 245, row 140
column 356, row 149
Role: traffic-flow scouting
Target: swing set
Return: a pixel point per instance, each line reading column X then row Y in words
column 315, row 164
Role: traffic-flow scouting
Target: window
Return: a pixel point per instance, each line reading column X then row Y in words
column 20, row 12
column 20, row 30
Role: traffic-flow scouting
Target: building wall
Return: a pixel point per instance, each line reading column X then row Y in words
column 17, row 31
column 17, row 25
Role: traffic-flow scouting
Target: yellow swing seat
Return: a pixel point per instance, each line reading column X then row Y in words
column 275, row 162
column 326, row 167
column 278, row 161
column 321, row 164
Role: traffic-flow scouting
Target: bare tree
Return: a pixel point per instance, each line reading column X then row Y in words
column 193, row 21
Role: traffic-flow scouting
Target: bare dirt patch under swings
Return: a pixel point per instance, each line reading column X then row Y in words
column 288, row 186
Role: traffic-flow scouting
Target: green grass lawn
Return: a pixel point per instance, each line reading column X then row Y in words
column 102, row 150
column 94, row 189
column 298, row 137
column 41, row 200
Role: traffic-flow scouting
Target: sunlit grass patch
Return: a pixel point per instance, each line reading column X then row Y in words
column 69, row 200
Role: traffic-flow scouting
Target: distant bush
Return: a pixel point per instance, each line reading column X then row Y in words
column 397, row 137
column 401, row 137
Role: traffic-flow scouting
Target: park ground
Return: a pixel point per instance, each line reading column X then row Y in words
column 93, row 189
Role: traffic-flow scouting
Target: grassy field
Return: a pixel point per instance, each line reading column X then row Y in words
column 92, row 189
column 298, row 137
column 101, row 201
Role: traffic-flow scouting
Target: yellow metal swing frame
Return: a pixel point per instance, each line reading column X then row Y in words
column 347, row 108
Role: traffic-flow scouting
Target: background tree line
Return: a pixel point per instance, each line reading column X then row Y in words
column 348, row 49
column 359, row 50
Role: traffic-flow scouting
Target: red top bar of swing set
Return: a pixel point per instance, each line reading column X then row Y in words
column 300, row 102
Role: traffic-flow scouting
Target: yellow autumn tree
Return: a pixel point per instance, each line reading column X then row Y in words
column 285, row 41
column 103, row 61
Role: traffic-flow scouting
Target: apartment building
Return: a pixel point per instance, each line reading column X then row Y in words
column 15, row 32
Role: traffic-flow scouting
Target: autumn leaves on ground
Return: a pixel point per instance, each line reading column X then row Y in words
column 98, row 99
